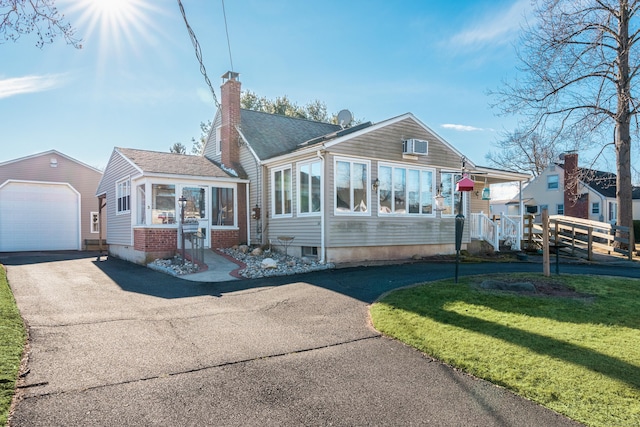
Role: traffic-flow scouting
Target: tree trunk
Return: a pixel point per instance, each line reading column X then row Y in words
column 623, row 122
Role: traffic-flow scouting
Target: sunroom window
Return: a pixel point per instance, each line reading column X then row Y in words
column 405, row 191
column 351, row 187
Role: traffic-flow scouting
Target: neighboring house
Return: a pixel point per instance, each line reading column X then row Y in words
column 343, row 194
column 593, row 198
column 47, row 202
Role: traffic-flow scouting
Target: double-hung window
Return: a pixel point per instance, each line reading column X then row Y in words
column 281, row 196
column 405, row 191
column 351, row 187
column 552, row 182
column 123, row 196
column 309, row 187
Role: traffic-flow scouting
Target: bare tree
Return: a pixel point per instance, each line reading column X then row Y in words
column 21, row 17
column 579, row 72
column 524, row 152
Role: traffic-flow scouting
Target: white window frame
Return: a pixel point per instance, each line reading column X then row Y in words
column 273, row 192
column 121, row 185
column 560, row 207
column 455, row 197
column 557, row 182
column 299, row 167
column 235, row 206
column 595, row 208
column 94, row 227
column 407, row 169
column 218, row 140
column 367, row 188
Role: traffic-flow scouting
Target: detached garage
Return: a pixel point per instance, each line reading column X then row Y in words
column 39, row 216
column 48, row 203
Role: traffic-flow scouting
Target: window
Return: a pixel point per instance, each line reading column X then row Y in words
column 595, row 208
column 309, row 179
column 403, row 191
column 123, row 196
column 351, row 187
column 613, row 212
column 552, row 182
column 309, row 251
column 222, row 207
column 560, row 208
column 95, row 222
column 141, row 204
column 451, row 198
column 218, row 139
column 163, row 204
column 281, row 199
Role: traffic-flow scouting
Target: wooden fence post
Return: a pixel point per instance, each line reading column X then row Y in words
column 589, row 243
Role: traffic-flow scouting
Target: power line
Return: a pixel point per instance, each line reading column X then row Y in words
column 196, row 46
column 226, row 28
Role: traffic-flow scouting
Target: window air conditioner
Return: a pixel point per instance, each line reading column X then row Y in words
column 414, row 146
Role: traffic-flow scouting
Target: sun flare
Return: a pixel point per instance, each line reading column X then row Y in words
column 114, row 24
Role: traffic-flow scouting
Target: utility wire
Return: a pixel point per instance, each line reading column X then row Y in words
column 196, row 46
column 226, row 28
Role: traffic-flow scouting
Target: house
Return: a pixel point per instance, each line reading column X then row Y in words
column 593, row 196
column 47, row 202
column 338, row 193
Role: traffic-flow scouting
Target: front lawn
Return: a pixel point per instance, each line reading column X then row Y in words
column 12, row 340
column 574, row 349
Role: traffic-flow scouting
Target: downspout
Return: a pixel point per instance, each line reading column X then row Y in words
column 248, row 213
column 322, row 210
column 521, row 209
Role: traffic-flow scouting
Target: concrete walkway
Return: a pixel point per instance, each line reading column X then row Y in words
column 220, row 269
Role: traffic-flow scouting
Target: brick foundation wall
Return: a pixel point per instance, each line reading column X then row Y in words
column 224, row 238
column 155, row 239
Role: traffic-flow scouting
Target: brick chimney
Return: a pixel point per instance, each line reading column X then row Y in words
column 574, row 204
column 230, row 110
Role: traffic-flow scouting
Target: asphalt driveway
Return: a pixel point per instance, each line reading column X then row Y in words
column 114, row 343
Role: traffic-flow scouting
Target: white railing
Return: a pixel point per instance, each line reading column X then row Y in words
column 483, row 228
column 510, row 231
column 507, row 228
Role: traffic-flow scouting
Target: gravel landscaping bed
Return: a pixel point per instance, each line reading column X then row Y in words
column 270, row 263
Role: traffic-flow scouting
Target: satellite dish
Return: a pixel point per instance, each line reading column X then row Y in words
column 344, row 118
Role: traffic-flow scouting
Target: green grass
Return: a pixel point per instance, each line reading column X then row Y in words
column 577, row 356
column 12, row 340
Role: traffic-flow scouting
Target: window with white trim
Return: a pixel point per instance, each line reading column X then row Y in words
column 281, row 192
column 123, row 196
column 405, row 191
column 223, row 207
column 552, row 182
column 595, row 208
column 451, row 198
column 309, row 187
column 351, row 187
column 218, row 139
column 95, row 222
column 560, row 208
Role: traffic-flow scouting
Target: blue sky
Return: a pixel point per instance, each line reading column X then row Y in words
column 136, row 82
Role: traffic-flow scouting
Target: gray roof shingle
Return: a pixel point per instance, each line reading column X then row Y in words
column 174, row 164
column 271, row 135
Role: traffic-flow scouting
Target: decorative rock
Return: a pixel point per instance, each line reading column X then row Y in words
column 285, row 267
column 269, row 263
column 256, row 252
column 504, row 286
column 416, row 257
column 243, row 248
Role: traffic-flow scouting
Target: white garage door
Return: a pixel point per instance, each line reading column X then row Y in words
column 39, row 217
